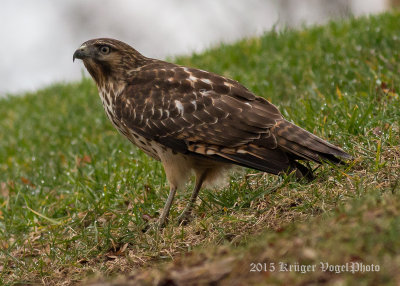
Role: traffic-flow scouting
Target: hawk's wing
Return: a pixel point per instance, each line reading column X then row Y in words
column 197, row 112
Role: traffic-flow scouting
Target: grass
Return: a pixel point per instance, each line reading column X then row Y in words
column 75, row 195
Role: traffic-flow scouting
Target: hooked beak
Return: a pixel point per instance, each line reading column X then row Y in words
column 81, row 53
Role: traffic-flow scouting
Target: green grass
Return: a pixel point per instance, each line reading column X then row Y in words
column 75, row 195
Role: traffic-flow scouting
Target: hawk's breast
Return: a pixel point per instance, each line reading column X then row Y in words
column 150, row 147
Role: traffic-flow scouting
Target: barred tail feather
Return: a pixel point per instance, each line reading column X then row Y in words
column 305, row 145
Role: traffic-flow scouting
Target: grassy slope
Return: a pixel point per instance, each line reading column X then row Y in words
column 74, row 195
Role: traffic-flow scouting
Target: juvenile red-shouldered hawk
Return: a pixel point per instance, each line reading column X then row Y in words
column 196, row 121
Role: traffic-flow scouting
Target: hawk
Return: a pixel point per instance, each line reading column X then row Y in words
column 195, row 121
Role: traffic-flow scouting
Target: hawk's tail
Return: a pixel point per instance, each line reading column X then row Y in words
column 302, row 144
column 292, row 143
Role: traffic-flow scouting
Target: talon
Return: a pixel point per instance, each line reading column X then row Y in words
column 184, row 219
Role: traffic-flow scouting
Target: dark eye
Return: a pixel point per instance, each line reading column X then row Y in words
column 105, row 50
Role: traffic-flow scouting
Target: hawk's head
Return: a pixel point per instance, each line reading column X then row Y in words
column 108, row 59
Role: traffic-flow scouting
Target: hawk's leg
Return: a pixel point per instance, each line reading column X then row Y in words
column 163, row 218
column 184, row 216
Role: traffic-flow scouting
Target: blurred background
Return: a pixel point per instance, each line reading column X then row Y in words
column 39, row 37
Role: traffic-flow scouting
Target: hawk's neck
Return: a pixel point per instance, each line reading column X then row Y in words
column 109, row 92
